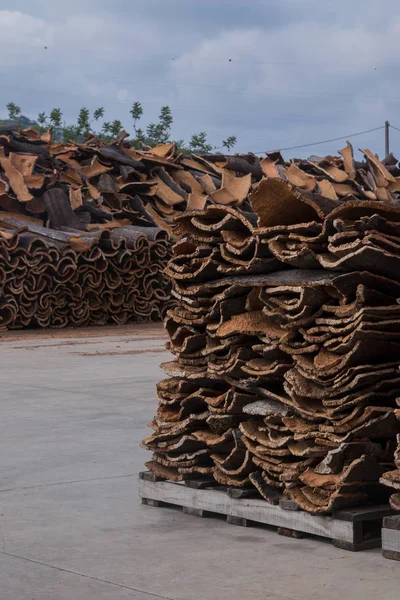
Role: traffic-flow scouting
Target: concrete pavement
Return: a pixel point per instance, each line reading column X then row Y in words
column 74, row 407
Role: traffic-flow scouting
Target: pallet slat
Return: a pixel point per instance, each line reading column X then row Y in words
column 391, row 537
column 346, row 532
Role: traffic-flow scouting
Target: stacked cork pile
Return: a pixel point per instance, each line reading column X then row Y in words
column 53, row 278
column 392, row 478
column 80, row 225
column 286, row 337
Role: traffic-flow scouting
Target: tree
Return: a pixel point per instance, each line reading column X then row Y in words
column 98, row 113
column 83, row 126
column 140, row 137
column 159, row 133
column 14, row 111
column 116, row 127
column 229, row 142
column 70, row 133
column 42, row 119
column 198, row 143
column 106, row 128
column 136, row 112
column 55, row 117
column 165, row 121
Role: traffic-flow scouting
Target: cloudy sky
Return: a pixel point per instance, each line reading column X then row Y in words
column 275, row 73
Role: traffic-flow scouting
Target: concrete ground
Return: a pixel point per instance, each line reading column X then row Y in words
column 74, row 407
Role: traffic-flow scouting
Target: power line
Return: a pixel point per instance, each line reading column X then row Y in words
column 343, row 137
column 393, row 127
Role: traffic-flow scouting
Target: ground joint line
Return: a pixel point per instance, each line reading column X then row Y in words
column 121, row 585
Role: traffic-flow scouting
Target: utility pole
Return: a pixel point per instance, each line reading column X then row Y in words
column 387, row 151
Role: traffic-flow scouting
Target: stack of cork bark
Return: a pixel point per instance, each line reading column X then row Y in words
column 80, row 226
column 286, row 337
column 113, row 184
column 392, row 478
column 53, row 278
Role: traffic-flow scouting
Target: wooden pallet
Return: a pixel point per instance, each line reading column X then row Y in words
column 391, row 537
column 351, row 529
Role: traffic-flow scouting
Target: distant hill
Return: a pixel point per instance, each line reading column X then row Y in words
column 22, row 122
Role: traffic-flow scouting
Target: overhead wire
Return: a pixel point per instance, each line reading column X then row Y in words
column 342, row 137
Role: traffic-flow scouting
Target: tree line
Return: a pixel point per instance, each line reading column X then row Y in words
column 151, row 135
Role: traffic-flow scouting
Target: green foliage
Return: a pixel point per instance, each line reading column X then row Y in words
column 181, row 145
column 229, row 142
column 198, row 143
column 159, row 133
column 70, row 133
column 140, row 136
column 42, row 119
column 14, row 111
column 98, row 113
column 83, row 126
column 165, row 119
column 106, row 128
column 149, row 136
column 151, row 132
column 136, row 111
column 116, row 127
column 56, row 117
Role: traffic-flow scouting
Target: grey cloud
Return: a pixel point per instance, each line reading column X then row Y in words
column 274, row 73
